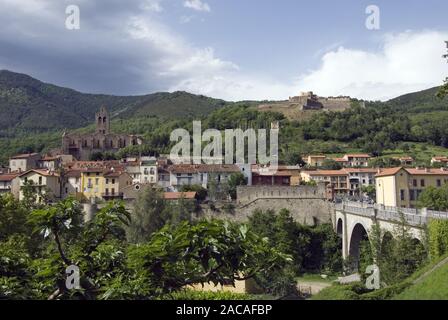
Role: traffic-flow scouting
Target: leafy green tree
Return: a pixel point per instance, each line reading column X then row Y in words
column 207, row 252
column 200, row 191
column 370, row 191
column 235, row 180
column 434, row 198
column 330, row 164
column 84, row 244
column 148, row 216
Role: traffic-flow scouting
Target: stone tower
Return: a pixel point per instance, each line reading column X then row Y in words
column 102, row 121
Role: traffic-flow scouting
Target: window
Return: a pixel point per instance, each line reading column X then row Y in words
column 97, row 181
column 412, row 195
column 107, row 181
column 422, row 182
column 414, row 182
column 151, row 171
column 402, row 195
column 40, row 180
column 107, row 191
column 113, row 191
column 439, row 182
column 113, row 181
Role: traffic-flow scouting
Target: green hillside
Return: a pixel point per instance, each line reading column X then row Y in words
column 433, row 286
column 27, row 104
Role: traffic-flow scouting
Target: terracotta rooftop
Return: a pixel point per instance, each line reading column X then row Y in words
column 327, row 173
column 179, row 195
column 42, row 172
column 8, row 176
column 413, row 171
column 196, row 168
column 24, row 156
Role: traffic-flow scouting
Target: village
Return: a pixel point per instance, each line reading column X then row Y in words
column 70, row 174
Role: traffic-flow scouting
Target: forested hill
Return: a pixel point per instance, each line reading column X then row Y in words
column 27, row 104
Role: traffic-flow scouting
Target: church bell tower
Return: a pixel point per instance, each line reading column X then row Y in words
column 102, row 121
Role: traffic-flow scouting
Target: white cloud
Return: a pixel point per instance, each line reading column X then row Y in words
column 197, row 5
column 127, row 50
column 407, row 62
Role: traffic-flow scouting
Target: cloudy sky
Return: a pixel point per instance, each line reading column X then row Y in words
column 230, row 49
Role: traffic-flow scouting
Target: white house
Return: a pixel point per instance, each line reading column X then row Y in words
column 9, row 182
column 44, row 182
column 199, row 174
column 24, row 162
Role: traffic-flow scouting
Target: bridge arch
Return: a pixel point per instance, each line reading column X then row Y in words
column 359, row 233
column 340, row 227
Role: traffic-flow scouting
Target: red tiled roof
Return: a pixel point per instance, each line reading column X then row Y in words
column 427, row 171
column 24, row 156
column 8, row 176
column 196, row 168
column 41, row 172
column 412, row 171
column 327, row 173
column 359, row 155
column 179, row 195
column 361, row 170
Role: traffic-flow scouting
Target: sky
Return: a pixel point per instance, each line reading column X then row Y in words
column 229, row 49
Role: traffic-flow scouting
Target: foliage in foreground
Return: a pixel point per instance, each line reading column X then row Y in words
column 110, row 268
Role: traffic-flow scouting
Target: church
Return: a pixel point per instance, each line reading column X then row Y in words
column 82, row 146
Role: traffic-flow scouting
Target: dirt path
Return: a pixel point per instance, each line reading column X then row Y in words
column 311, row 287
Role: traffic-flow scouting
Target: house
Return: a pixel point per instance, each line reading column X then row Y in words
column 71, row 184
column 280, row 176
column 200, row 174
column 354, row 160
column 336, row 180
column 148, row 170
column 407, row 161
column 439, row 160
column 9, row 182
column 359, row 178
column 24, row 162
column 46, row 184
column 50, row 162
column 104, row 183
column 401, row 187
column 314, row 160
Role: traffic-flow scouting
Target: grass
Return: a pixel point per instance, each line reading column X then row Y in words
column 433, row 287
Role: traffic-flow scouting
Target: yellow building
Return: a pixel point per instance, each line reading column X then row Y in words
column 101, row 183
column 401, row 187
column 315, row 160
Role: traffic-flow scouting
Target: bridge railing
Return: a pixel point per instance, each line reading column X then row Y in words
column 410, row 215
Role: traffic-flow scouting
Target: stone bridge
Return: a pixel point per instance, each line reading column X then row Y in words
column 353, row 221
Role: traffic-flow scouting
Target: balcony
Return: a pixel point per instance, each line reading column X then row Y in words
column 111, row 196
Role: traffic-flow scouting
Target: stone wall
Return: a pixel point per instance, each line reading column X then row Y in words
column 307, row 204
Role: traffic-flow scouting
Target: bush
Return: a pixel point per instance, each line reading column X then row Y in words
column 438, row 238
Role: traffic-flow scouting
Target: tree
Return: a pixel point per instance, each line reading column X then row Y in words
column 201, row 192
column 370, row 191
column 149, row 215
column 443, row 92
column 235, row 180
column 330, row 164
column 434, row 198
column 91, row 246
column 215, row 252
